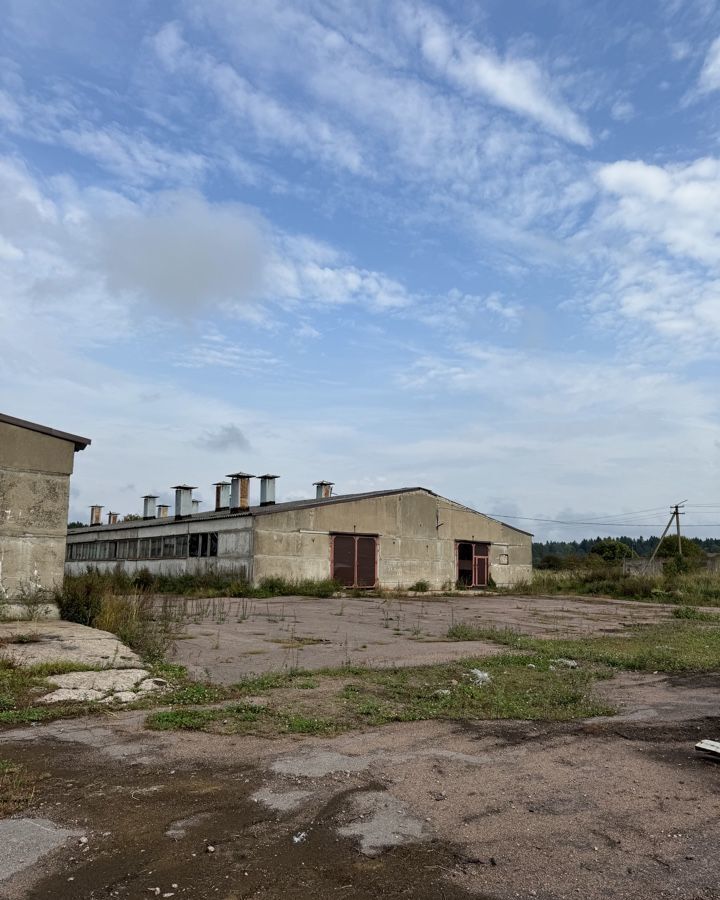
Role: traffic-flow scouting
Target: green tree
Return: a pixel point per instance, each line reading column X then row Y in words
column 691, row 550
column 611, row 550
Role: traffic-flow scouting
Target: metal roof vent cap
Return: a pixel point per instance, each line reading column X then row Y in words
column 323, row 489
column 149, row 510
column 183, row 500
column 222, row 495
column 96, row 514
column 240, row 490
column 267, row 489
column 162, row 510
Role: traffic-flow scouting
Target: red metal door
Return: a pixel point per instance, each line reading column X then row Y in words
column 366, row 574
column 344, row 559
column 481, row 553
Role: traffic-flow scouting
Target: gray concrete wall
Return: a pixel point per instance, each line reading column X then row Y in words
column 296, row 543
column 34, row 489
column 234, row 547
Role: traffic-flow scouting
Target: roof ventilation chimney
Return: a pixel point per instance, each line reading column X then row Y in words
column 323, row 489
column 112, row 518
column 149, row 506
column 162, row 510
column 183, row 500
column 96, row 515
column 222, row 495
column 196, row 506
column 267, row 489
column 240, row 490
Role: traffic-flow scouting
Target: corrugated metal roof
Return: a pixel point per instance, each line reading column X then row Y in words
column 79, row 442
column 288, row 506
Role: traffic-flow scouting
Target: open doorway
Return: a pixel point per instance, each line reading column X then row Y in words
column 472, row 563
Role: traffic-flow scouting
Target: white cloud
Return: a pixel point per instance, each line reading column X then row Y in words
column 581, row 426
column 516, row 84
column 652, row 249
column 274, row 123
column 622, row 110
column 675, row 205
column 709, row 79
column 413, row 128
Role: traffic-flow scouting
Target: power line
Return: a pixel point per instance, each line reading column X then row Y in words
column 592, row 522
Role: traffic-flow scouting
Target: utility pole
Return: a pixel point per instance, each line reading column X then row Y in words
column 677, row 522
column 675, row 516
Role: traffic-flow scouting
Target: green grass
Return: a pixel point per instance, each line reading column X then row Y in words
column 696, row 615
column 695, row 588
column 241, row 718
column 335, row 700
column 674, row 647
column 17, row 787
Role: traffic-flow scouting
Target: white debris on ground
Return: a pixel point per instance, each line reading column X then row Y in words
column 106, row 686
column 479, row 677
column 565, row 663
column 712, row 748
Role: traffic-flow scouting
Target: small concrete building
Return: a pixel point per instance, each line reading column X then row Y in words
column 35, row 467
column 386, row 539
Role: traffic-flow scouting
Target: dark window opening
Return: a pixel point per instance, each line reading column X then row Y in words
column 166, row 547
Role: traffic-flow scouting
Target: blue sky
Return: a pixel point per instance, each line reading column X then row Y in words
column 471, row 246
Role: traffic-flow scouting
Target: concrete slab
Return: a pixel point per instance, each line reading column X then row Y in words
column 229, row 639
column 32, row 643
column 115, row 685
column 23, row 842
column 381, row 821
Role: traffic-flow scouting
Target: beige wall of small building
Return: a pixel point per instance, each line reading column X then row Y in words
column 35, row 471
column 417, row 532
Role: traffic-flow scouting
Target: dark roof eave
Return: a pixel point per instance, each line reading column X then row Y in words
column 80, row 442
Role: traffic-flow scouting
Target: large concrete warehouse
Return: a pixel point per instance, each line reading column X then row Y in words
column 386, row 539
column 35, row 467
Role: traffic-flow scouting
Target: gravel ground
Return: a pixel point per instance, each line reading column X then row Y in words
column 605, row 808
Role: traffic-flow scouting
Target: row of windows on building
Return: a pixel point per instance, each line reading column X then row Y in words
column 172, row 546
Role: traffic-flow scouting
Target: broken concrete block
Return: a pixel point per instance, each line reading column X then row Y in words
column 66, row 695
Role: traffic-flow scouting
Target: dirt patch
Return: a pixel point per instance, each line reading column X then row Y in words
column 196, row 832
column 492, row 809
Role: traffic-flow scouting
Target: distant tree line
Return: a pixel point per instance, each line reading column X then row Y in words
column 557, row 554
